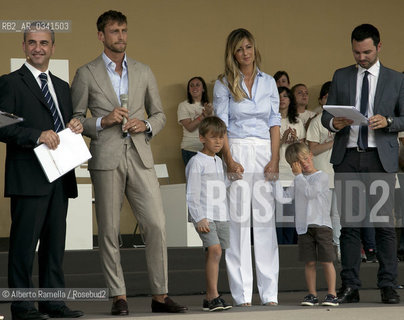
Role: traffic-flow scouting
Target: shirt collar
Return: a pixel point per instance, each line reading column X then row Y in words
column 35, row 72
column 109, row 64
column 259, row 73
column 206, row 156
column 373, row 70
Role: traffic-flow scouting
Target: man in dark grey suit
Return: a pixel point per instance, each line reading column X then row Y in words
column 368, row 155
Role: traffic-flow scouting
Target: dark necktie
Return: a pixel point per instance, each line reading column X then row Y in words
column 49, row 101
column 363, row 130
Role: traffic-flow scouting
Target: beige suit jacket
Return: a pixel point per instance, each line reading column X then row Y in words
column 92, row 89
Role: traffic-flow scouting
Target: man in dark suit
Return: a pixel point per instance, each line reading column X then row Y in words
column 38, row 208
column 369, row 155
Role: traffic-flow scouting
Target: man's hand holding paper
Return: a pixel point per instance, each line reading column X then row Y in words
column 341, row 122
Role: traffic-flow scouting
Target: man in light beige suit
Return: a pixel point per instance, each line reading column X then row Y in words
column 122, row 161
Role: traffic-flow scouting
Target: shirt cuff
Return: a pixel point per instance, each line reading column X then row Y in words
column 151, row 129
column 98, row 124
column 332, row 127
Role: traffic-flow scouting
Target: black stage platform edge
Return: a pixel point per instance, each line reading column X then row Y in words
column 186, row 273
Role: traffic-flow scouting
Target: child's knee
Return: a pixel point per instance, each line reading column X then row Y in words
column 215, row 251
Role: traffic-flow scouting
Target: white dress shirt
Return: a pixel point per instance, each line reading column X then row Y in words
column 373, row 76
column 312, row 204
column 206, row 188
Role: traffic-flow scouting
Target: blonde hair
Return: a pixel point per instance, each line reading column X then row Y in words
column 294, row 150
column 232, row 69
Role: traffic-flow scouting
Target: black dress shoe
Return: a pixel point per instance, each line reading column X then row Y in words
column 62, row 312
column 348, row 295
column 168, row 306
column 389, row 295
column 120, row 308
column 32, row 314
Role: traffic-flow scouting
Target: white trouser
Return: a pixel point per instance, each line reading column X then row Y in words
column 253, row 154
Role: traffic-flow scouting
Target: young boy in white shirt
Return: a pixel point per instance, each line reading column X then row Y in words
column 313, row 222
column 207, row 205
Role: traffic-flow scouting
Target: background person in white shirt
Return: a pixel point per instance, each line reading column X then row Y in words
column 247, row 100
column 190, row 113
column 292, row 130
column 207, row 205
column 300, row 101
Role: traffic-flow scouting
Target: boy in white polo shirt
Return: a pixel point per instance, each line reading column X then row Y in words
column 313, row 222
column 207, row 205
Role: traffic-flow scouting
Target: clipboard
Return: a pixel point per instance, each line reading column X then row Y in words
column 349, row 112
column 70, row 153
column 7, row 119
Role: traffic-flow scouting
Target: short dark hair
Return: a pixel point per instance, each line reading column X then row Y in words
column 212, row 124
column 39, row 26
column 205, row 97
column 281, row 73
column 365, row 31
column 324, row 89
column 108, row 16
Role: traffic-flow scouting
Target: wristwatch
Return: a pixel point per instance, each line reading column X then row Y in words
column 389, row 121
column 147, row 125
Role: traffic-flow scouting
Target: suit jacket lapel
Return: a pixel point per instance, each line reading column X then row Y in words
column 133, row 81
column 32, row 84
column 352, row 86
column 379, row 90
column 102, row 79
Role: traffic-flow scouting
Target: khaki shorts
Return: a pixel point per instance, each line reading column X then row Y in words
column 316, row 244
column 219, row 234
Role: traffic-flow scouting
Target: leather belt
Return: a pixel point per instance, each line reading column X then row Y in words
column 357, row 149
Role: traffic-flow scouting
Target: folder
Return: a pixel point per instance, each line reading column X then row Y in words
column 349, row 112
column 7, row 119
column 70, row 153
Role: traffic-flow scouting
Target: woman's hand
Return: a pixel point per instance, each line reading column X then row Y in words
column 235, row 170
column 271, row 170
column 293, row 136
column 207, row 110
column 285, row 136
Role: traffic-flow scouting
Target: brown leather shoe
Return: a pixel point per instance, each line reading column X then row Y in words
column 168, row 306
column 120, row 308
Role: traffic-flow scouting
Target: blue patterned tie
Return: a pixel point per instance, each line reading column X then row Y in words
column 48, row 98
column 363, row 130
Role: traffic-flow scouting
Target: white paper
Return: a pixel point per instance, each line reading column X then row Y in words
column 70, row 153
column 349, row 112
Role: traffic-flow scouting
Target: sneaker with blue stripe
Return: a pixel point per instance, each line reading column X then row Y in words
column 310, row 300
column 330, row 300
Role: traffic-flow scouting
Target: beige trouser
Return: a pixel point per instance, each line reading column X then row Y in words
column 140, row 185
